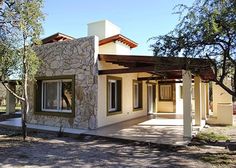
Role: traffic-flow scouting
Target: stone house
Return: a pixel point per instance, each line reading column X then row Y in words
column 94, row 81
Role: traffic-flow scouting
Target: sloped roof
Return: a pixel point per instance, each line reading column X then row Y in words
column 57, row 37
column 120, row 38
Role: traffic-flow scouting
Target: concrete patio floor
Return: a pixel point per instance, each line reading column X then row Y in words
column 161, row 129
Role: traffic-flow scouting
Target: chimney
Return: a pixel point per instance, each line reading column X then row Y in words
column 103, row 29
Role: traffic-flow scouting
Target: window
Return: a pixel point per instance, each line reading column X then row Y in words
column 165, row 92
column 55, row 95
column 114, row 94
column 137, row 94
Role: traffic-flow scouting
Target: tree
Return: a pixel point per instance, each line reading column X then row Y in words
column 20, row 27
column 206, row 30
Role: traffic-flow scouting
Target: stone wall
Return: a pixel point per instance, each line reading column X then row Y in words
column 2, row 95
column 75, row 57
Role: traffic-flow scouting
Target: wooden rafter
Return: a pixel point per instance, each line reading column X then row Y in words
column 172, row 66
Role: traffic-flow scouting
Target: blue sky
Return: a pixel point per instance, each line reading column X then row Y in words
column 139, row 20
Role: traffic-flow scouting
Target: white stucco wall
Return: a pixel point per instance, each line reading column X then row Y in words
column 165, row 106
column 109, row 48
column 220, row 96
column 127, row 100
column 179, row 100
column 103, row 29
column 121, row 48
column 115, row 48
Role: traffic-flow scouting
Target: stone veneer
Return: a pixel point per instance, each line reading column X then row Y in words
column 2, row 95
column 75, row 57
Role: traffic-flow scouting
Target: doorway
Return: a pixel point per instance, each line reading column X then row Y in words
column 151, row 97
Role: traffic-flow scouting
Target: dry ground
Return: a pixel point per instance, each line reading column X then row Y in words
column 48, row 150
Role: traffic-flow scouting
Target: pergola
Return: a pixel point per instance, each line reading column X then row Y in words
column 161, row 67
column 169, row 69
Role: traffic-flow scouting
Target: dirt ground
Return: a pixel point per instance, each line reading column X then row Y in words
column 48, row 150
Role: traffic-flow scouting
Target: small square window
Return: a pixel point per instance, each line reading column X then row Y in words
column 165, row 92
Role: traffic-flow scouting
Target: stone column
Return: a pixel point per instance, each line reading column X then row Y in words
column 203, row 97
column 10, row 99
column 198, row 103
column 187, row 109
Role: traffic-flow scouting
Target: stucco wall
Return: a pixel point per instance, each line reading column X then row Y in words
column 220, row 96
column 179, row 100
column 76, row 57
column 127, row 100
column 103, row 29
column 115, row 48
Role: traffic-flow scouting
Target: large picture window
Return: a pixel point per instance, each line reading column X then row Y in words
column 165, row 92
column 55, row 95
column 137, row 94
column 114, row 94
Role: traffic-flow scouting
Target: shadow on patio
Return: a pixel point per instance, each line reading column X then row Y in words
column 161, row 129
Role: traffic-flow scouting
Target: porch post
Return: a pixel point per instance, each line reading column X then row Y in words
column 207, row 99
column 187, row 110
column 198, row 102
column 203, row 96
column 10, row 99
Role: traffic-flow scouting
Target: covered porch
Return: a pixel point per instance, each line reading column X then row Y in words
column 172, row 70
column 161, row 128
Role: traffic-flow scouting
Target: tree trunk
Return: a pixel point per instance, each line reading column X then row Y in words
column 25, row 92
column 26, row 106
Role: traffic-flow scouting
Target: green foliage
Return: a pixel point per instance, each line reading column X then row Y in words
column 20, row 29
column 207, row 30
column 211, row 137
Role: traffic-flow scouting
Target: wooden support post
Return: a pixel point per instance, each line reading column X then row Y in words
column 187, row 109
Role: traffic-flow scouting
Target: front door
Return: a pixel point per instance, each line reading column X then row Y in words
column 151, row 89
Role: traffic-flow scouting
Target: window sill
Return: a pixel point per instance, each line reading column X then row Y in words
column 113, row 113
column 137, row 109
column 166, row 100
column 59, row 114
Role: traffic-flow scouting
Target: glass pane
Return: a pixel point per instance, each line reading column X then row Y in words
column 113, row 95
column 66, row 95
column 135, row 95
column 50, row 95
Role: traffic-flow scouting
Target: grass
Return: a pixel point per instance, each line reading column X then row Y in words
column 212, row 137
column 218, row 159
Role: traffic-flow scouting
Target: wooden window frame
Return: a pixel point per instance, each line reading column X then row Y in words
column 118, row 98
column 159, row 91
column 38, row 99
column 139, row 105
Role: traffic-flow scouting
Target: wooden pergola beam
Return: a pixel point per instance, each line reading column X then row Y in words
column 126, row 70
column 147, row 69
column 159, row 78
